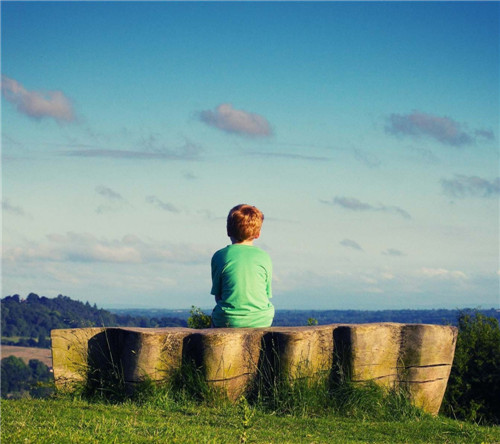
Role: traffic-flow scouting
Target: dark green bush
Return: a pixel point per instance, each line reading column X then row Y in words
column 21, row 380
column 473, row 392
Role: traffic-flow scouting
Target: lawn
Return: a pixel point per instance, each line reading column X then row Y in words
column 67, row 420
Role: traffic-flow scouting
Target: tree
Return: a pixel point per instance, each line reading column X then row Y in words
column 473, row 391
column 198, row 319
column 15, row 375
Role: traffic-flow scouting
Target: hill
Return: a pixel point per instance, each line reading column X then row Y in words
column 28, row 322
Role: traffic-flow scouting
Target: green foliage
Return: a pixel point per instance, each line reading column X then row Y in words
column 198, row 319
column 34, row 318
column 312, row 321
column 247, row 414
column 21, row 380
column 473, row 391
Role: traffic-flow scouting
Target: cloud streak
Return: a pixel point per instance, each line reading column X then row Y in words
column 289, row 156
column 443, row 129
column 353, row 204
column 235, row 121
column 393, row 252
column 166, row 206
column 187, row 152
column 348, row 243
column 38, row 104
column 471, row 186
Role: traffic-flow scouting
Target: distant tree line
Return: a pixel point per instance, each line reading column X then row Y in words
column 34, row 318
column 288, row 318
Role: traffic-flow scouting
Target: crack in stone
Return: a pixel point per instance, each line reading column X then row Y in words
column 229, row 379
column 424, row 366
column 422, row 382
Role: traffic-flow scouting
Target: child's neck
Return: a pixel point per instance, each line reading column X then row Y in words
column 245, row 242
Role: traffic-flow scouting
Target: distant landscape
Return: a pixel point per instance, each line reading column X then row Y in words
column 27, row 321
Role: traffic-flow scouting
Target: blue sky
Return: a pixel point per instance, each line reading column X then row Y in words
column 367, row 133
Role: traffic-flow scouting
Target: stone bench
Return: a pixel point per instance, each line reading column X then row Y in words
column 418, row 356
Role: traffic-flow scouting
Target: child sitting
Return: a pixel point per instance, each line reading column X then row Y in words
column 241, row 274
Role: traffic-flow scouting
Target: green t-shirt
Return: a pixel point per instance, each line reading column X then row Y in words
column 241, row 284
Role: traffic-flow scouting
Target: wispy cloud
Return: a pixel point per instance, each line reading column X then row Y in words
column 166, row 206
column 486, row 134
column 189, row 175
column 288, row 156
column 12, row 209
column 38, row 104
column 231, row 120
column 348, row 243
column 108, row 193
column 471, row 186
column 189, row 151
column 369, row 159
column 113, row 199
column 353, row 204
column 84, row 247
column 393, row 252
column 443, row 129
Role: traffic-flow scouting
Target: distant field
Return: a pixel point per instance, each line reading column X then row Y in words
column 27, row 353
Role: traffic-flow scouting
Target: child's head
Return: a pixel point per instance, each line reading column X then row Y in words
column 244, row 223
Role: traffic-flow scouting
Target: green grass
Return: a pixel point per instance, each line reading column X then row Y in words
column 64, row 420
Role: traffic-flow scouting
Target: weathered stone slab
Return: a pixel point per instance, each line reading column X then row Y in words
column 148, row 353
column 370, row 351
column 229, row 357
column 300, row 352
column 70, row 355
column 427, row 353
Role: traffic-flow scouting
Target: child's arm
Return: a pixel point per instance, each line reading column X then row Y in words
column 216, row 287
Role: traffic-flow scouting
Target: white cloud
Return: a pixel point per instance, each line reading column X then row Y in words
column 38, row 104
column 442, row 273
column 84, row 247
column 387, row 276
column 231, row 120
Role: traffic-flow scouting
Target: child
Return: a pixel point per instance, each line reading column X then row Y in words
column 241, row 274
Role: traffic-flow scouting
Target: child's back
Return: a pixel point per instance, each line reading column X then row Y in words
column 242, row 274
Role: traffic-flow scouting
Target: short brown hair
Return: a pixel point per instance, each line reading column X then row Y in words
column 244, row 222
